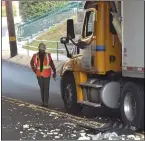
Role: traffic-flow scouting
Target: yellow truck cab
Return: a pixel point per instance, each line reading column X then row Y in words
column 94, row 77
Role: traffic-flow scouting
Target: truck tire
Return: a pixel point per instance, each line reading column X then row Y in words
column 69, row 94
column 132, row 105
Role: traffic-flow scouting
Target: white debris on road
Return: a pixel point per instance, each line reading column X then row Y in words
column 56, row 137
column 53, row 113
column 36, row 127
column 21, row 105
column 107, row 136
column 26, row 126
column 18, row 123
column 82, row 131
column 72, row 124
column 42, row 133
column 32, row 106
column 84, row 137
column 55, row 133
column 57, row 129
column 31, row 129
column 52, row 131
column 73, row 135
column 44, row 136
column 138, row 138
column 110, row 136
column 33, row 135
column 56, row 117
column 49, row 133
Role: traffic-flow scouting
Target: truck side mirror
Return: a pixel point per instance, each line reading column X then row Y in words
column 64, row 40
column 70, row 28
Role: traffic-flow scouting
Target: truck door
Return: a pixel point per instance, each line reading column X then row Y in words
column 88, row 36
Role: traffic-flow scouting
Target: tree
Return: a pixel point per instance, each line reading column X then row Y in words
column 33, row 9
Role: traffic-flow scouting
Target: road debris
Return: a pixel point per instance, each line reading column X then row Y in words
column 32, row 106
column 39, row 125
column 26, row 126
column 21, row 105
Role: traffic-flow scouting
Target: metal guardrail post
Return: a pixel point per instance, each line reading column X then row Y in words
column 28, row 47
column 57, row 51
column 31, row 47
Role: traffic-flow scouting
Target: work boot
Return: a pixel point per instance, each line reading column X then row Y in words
column 42, row 104
column 46, row 106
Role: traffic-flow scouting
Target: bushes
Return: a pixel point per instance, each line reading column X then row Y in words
column 33, row 9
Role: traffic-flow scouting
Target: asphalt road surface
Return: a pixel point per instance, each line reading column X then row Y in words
column 25, row 123
column 22, row 121
column 21, row 83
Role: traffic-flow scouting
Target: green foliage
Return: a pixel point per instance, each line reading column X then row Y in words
column 33, row 9
column 53, row 34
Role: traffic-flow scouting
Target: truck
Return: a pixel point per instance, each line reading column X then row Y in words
column 108, row 69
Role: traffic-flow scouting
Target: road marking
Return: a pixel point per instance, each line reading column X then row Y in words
column 78, row 120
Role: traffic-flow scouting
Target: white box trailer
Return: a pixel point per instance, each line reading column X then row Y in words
column 133, row 38
column 132, row 92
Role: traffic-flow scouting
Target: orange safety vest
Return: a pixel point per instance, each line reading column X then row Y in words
column 46, row 72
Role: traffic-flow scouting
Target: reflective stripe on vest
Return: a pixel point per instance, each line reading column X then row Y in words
column 44, row 67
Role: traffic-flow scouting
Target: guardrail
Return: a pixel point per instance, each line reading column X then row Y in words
column 57, row 48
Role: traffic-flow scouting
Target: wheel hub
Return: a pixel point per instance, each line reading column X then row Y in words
column 129, row 106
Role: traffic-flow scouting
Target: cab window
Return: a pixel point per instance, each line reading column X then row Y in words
column 88, row 28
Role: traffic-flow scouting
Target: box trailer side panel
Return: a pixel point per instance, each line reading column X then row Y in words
column 133, row 39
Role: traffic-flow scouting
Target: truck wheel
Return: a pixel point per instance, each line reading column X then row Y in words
column 132, row 105
column 70, row 94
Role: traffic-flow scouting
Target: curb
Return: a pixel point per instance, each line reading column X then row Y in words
column 28, row 66
column 16, row 63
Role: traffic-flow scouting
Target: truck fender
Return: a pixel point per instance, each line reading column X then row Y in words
column 68, row 66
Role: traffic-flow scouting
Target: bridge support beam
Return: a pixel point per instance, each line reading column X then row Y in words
column 11, row 28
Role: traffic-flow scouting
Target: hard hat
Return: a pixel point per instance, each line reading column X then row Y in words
column 42, row 46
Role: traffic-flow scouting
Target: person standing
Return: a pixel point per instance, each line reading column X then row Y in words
column 42, row 65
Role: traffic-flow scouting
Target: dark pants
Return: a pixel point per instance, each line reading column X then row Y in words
column 44, row 88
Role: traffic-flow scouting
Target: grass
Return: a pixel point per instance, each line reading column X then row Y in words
column 4, row 11
column 53, row 34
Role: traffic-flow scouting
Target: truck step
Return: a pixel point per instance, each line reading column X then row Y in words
column 89, row 103
column 91, row 85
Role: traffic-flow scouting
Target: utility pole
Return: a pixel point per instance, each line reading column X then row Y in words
column 11, row 28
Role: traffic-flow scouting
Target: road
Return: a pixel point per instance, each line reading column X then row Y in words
column 20, row 82
column 25, row 123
